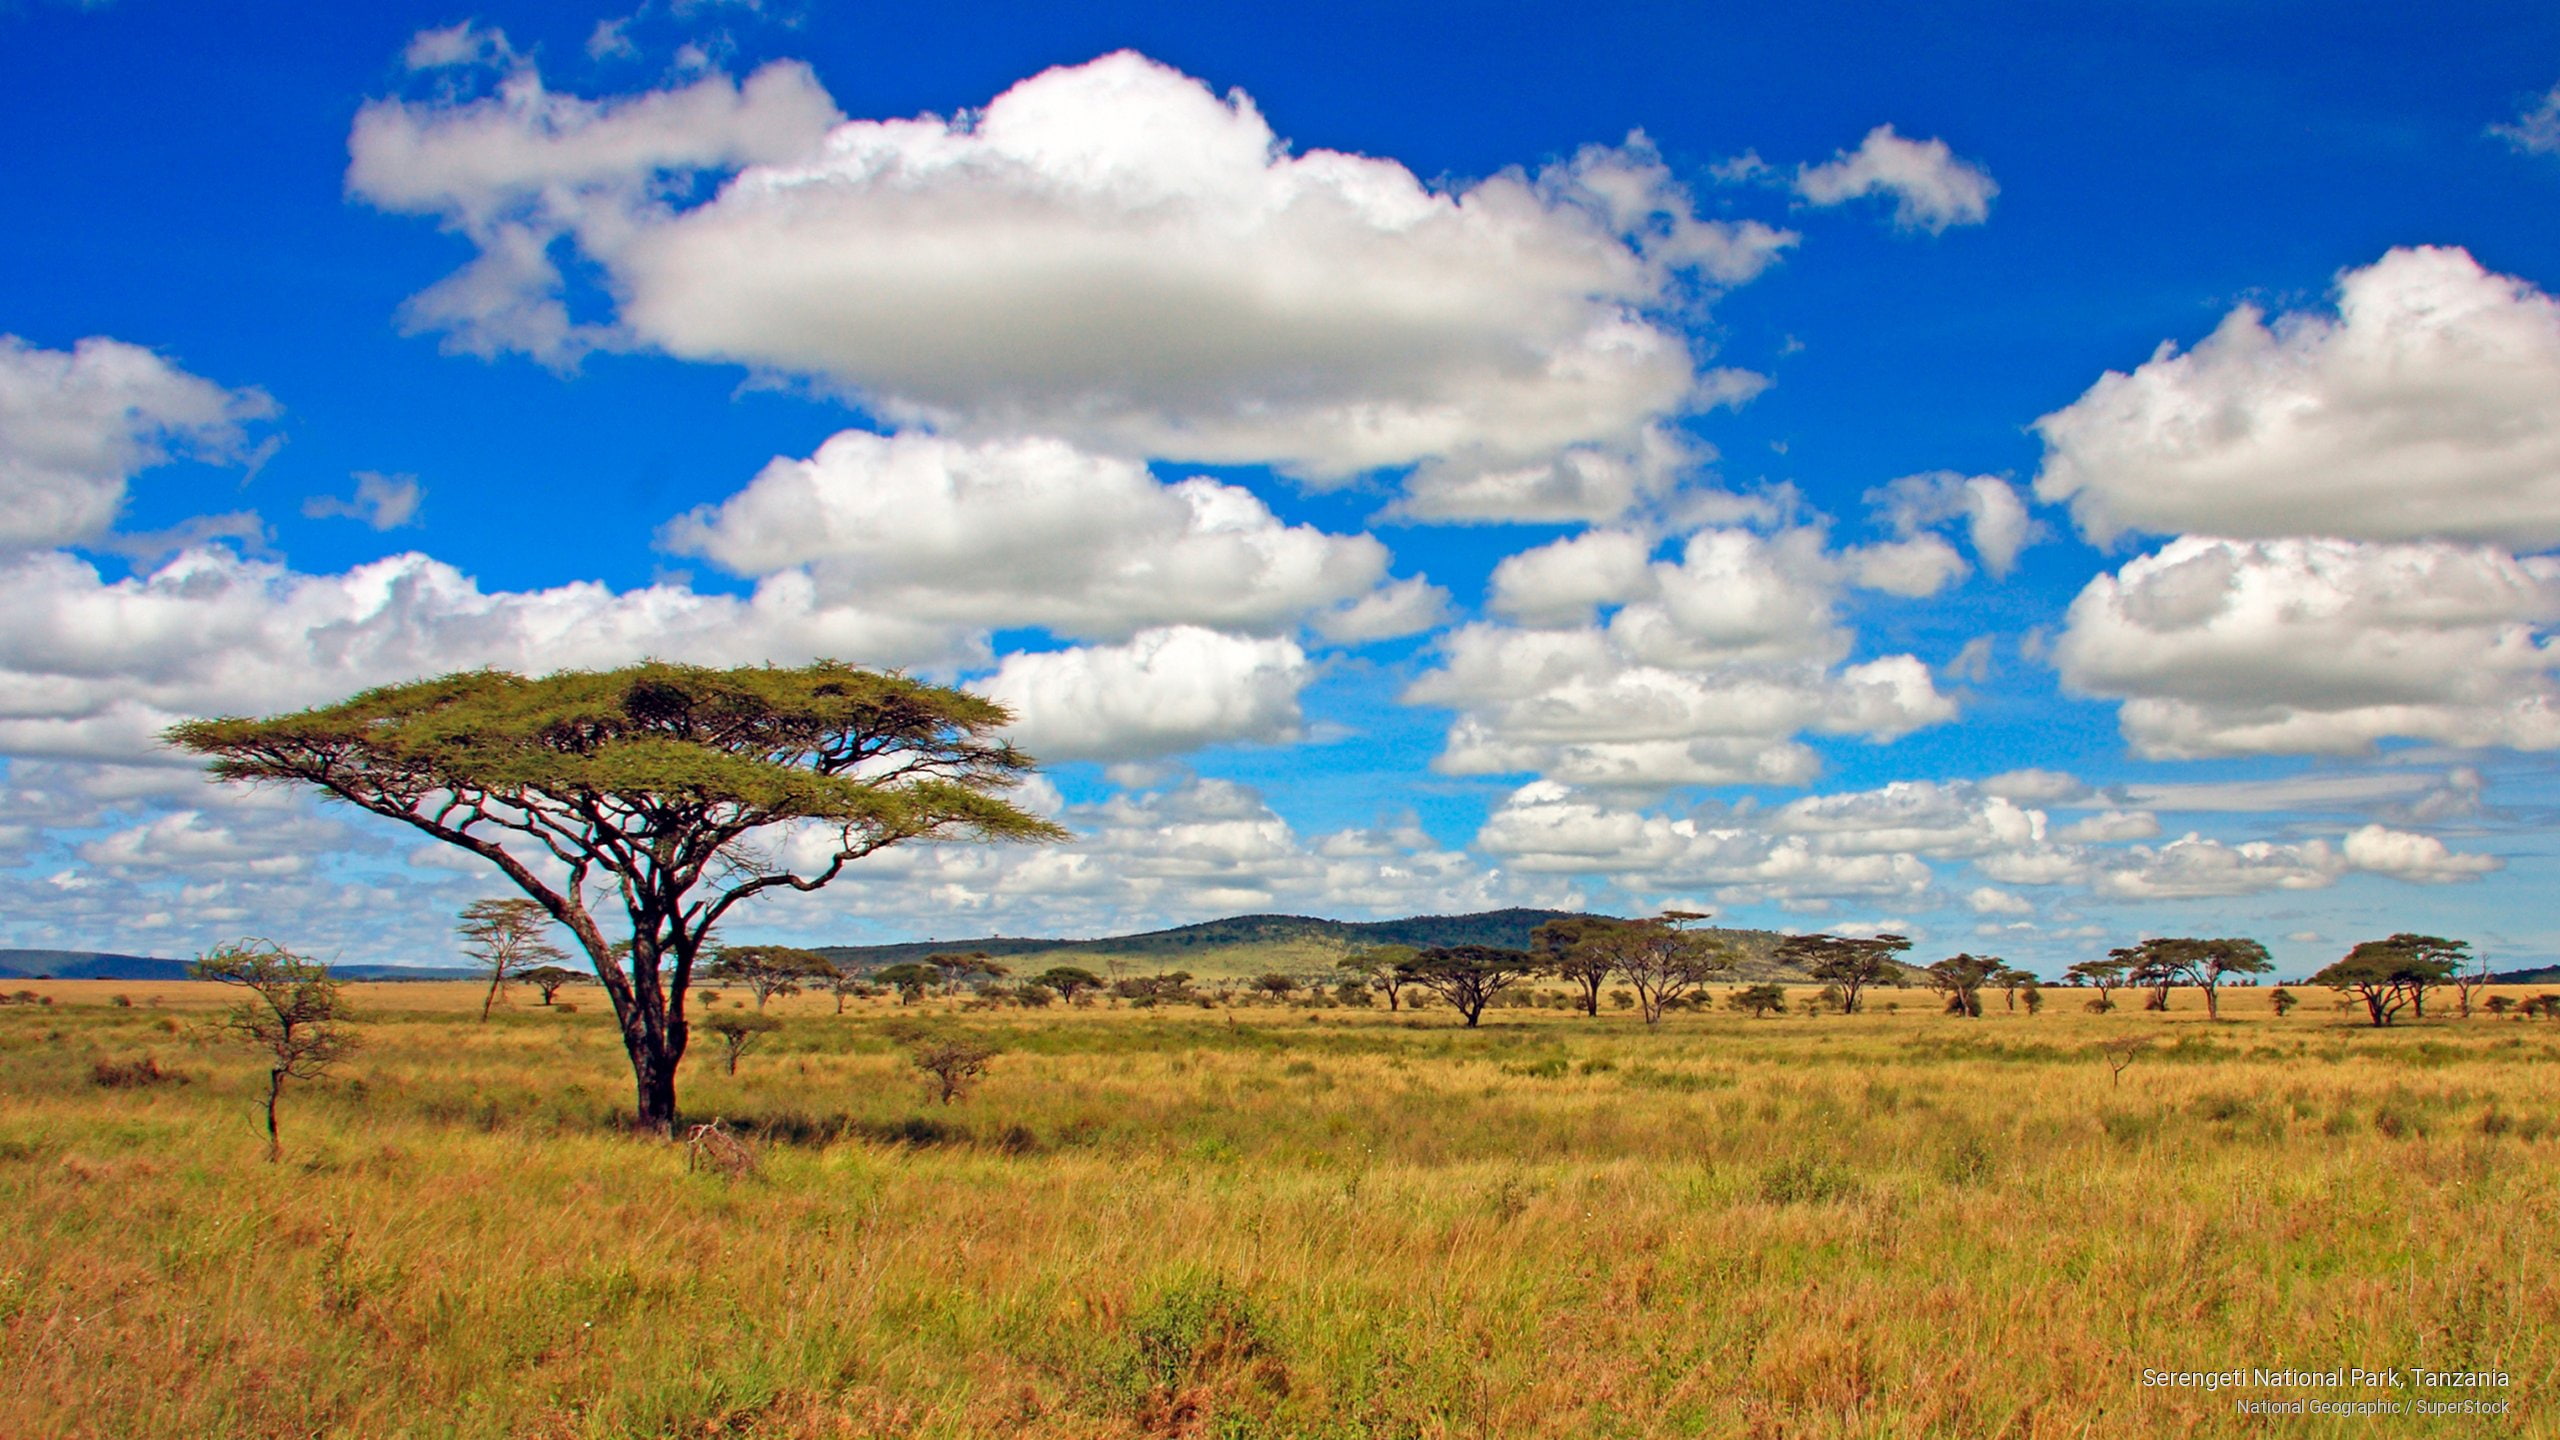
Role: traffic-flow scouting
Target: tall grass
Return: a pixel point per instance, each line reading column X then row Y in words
column 1272, row 1222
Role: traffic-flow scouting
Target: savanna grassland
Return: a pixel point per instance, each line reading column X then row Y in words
column 1275, row 1221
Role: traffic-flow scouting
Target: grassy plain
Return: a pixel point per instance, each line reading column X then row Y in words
column 1279, row 1222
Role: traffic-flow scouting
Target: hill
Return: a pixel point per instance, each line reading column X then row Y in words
column 87, row 965
column 107, row 965
column 1251, row 944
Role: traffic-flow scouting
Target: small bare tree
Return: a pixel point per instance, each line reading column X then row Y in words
column 953, row 1065
column 2468, row 982
column 2121, row 1054
column 508, row 937
column 295, row 1015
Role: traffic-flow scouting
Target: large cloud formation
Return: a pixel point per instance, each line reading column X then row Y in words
column 2428, row 408
column 2227, row 647
column 1107, row 253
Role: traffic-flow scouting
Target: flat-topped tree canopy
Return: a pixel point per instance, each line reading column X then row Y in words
column 662, row 779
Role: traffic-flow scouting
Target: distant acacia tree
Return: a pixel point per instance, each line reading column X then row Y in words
column 1070, row 982
column 1469, row 976
column 551, row 979
column 507, row 936
column 2393, row 974
column 844, row 980
column 2105, row 975
column 2013, row 982
column 1758, row 1001
column 294, row 1017
column 972, row 967
column 1847, row 964
column 1960, row 978
column 1276, row 985
column 768, row 970
column 1577, row 953
column 1377, row 965
column 739, row 1030
column 2151, row 970
column 910, row 980
column 656, row 788
column 2204, row 964
column 2469, row 979
column 1662, row 960
column 2282, row 1001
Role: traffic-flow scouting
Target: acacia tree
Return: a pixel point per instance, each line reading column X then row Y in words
column 2151, row 969
column 506, row 937
column 1469, row 976
column 1070, row 981
column 1961, row 977
column 2201, row 963
column 738, row 1032
column 768, row 970
column 1571, row 945
column 1660, row 960
column 295, row 1015
column 2104, row 974
column 670, row 792
column 1378, row 964
column 842, row 979
column 909, row 980
column 2392, row 975
column 549, row 979
column 1847, row 964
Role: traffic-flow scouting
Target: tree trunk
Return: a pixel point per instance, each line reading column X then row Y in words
column 490, row 999
column 2212, row 1002
column 275, row 1143
column 655, row 1077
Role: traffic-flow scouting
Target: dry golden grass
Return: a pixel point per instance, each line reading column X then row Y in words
column 1276, row 1222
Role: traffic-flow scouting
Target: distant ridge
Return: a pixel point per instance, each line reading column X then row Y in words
column 107, row 965
column 87, row 965
column 1507, row 929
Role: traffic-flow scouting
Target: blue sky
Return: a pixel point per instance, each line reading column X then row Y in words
column 2034, row 478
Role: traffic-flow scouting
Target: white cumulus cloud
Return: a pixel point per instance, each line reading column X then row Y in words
column 1931, row 188
column 77, row 424
column 2227, row 647
column 1009, row 533
column 1109, row 253
column 1166, row 690
column 2427, row 408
